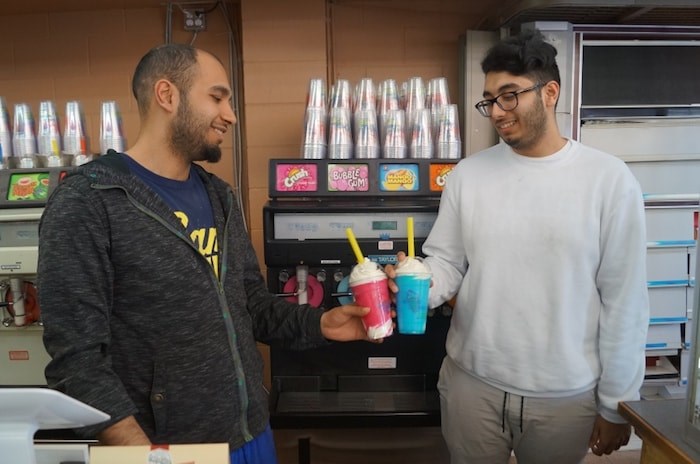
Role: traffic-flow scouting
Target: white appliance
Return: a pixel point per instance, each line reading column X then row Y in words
column 22, row 354
column 23, row 411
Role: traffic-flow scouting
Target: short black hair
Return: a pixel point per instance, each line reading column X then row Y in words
column 174, row 62
column 527, row 54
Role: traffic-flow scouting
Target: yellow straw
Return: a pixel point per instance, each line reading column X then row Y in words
column 411, row 244
column 355, row 247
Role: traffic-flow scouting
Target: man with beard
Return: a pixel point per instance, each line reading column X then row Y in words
column 151, row 295
column 542, row 240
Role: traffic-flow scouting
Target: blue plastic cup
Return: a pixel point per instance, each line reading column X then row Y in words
column 412, row 302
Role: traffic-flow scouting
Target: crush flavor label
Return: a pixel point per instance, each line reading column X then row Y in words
column 296, row 178
column 348, row 178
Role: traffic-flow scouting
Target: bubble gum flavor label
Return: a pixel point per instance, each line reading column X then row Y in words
column 348, row 178
column 296, row 178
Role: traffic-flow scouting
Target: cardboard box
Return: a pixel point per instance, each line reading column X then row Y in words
column 214, row 453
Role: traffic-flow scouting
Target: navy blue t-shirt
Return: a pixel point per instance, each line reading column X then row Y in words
column 190, row 202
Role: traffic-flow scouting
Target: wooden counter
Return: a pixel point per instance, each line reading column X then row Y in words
column 659, row 423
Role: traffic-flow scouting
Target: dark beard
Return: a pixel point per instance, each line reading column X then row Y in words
column 537, row 123
column 210, row 154
column 186, row 137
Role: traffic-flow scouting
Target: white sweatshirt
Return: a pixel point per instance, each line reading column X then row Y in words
column 548, row 258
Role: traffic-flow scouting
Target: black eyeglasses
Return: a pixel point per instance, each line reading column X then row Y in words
column 507, row 101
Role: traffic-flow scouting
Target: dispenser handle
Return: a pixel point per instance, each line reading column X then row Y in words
column 18, row 301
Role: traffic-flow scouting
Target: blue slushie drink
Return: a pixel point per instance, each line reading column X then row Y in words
column 413, row 280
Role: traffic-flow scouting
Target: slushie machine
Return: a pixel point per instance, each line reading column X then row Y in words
column 308, row 258
column 23, row 193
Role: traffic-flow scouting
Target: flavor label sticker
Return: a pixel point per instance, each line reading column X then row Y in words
column 399, row 178
column 19, row 355
column 438, row 176
column 348, row 178
column 296, row 178
column 375, row 362
column 31, row 186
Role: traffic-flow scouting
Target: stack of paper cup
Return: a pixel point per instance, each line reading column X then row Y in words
column 316, row 97
column 314, row 142
column 340, row 144
column 340, row 95
column 421, row 145
column 49, row 135
column 403, row 92
column 74, row 138
column 388, row 97
column 111, row 133
column 366, row 134
column 415, row 101
column 365, row 124
column 23, row 138
column 437, row 93
column 449, row 142
column 5, row 135
column 395, row 139
column 365, row 95
column 437, row 96
column 388, row 100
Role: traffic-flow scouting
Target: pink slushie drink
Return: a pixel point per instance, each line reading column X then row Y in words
column 368, row 284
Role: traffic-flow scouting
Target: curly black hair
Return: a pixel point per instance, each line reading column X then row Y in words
column 527, row 54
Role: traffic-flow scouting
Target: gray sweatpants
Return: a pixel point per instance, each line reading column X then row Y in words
column 482, row 424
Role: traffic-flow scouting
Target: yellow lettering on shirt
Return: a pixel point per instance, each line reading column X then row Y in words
column 183, row 218
column 205, row 240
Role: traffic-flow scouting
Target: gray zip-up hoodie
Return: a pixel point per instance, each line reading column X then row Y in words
column 136, row 320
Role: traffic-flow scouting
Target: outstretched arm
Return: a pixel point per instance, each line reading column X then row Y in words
column 125, row 432
column 344, row 323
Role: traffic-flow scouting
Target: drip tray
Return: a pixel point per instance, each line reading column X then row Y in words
column 356, row 402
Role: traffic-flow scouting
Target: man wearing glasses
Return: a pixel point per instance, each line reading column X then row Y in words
column 542, row 239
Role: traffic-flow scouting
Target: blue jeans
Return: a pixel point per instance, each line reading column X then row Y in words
column 259, row 451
